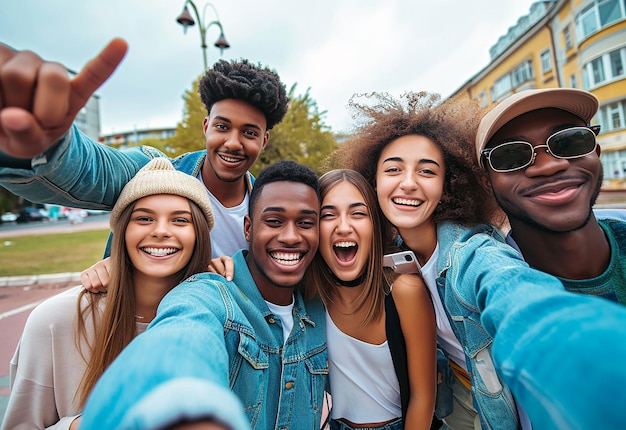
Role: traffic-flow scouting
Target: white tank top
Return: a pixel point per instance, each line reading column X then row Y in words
column 363, row 383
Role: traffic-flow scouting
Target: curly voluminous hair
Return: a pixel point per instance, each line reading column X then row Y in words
column 259, row 86
column 451, row 124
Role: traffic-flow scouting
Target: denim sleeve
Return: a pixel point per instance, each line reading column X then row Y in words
column 76, row 172
column 185, row 399
column 177, row 369
column 561, row 354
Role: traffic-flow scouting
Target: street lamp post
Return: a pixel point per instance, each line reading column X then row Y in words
column 186, row 20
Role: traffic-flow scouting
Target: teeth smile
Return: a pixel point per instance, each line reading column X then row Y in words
column 229, row 159
column 344, row 244
column 160, row 252
column 286, row 258
column 407, row 202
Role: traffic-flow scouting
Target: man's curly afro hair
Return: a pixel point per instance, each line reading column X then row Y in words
column 245, row 81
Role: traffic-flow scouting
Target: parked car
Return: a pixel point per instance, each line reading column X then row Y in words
column 30, row 215
column 76, row 216
column 92, row 212
column 8, row 217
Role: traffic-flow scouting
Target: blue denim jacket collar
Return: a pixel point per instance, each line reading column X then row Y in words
column 450, row 234
column 192, row 162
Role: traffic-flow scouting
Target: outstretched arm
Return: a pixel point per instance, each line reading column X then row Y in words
column 544, row 335
column 40, row 101
column 175, row 372
column 43, row 157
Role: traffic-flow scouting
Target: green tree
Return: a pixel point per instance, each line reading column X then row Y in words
column 189, row 136
column 301, row 136
column 8, row 201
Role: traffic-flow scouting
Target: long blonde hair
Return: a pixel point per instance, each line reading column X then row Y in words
column 115, row 326
column 377, row 279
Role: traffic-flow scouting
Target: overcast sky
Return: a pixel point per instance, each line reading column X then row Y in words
column 334, row 47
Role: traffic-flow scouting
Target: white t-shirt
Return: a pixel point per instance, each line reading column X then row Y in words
column 445, row 336
column 227, row 235
column 285, row 313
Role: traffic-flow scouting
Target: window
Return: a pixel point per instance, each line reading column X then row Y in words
column 597, row 70
column 608, row 67
column 567, row 37
column 501, row 87
column 612, row 164
column 617, row 63
column 546, row 64
column 612, row 117
column 482, row 98
column 586, row 83
column 589, row 20
column 522, row 73
column 572, row 81
column 609, row 11
column 597, row 15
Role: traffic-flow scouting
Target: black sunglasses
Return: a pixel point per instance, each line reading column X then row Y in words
column 570, row 143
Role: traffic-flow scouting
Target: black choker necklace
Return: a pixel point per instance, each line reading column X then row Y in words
column 353, row 283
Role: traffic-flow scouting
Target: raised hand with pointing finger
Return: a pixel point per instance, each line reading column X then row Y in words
column 39, row 101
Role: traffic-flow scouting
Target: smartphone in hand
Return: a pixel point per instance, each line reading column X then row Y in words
column 402, row 262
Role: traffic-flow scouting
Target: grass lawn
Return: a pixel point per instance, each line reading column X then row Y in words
column 51, row 253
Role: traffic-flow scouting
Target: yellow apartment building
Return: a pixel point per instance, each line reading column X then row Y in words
column 571, row 44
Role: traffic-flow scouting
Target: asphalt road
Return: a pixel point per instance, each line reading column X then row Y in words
column 93, row 222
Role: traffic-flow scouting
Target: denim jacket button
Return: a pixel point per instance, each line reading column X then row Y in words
column 271, row 320
column 289, row 385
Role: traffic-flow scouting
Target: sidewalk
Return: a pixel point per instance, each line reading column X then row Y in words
column 31, row 280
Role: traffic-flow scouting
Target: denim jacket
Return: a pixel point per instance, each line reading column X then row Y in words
column 469, row 257
column 562, row 354
column 210, row 332
column 80, row 173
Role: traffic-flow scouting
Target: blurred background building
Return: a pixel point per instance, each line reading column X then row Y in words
column 571, row 44
column 88, row 119
column 134, row 137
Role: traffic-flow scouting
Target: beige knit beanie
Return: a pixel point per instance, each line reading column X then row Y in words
column 160, row 177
